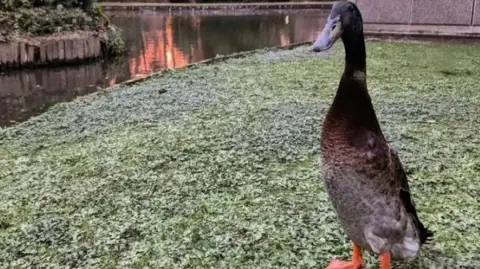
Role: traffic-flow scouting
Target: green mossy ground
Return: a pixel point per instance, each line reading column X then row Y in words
column 221, row 170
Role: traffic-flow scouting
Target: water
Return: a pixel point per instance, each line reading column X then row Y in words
column 155, row 41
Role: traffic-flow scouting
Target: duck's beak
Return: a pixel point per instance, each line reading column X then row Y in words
column 330, row 34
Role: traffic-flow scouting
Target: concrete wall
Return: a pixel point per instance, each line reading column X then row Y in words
column 427, row 12
column 476, row 15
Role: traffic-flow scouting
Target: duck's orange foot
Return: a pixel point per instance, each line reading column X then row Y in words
column 338, row 264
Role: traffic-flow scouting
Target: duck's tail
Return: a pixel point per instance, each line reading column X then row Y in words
column 425, row 234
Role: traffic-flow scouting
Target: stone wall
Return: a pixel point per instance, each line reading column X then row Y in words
column 421, row 12
column 38, row 51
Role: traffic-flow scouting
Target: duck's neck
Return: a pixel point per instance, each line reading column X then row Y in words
column 352, row 104
column 355, row 54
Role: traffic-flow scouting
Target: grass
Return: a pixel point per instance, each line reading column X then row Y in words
column 221, row 170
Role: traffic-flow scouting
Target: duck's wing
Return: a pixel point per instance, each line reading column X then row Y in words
column 405, row 196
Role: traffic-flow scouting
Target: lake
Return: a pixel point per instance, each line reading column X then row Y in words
column 155, row 40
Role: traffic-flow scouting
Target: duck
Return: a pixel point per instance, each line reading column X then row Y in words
column 363, row 175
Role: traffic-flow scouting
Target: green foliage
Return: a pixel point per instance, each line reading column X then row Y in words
column 41, row 21
column 65, row 3
column 11, row 5
column 216, row 166
column 47, row 20
column 115, row 42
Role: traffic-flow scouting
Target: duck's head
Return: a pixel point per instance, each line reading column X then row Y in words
column 344, row 21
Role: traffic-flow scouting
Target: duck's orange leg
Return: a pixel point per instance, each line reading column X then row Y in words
column 385, row 261
column 356, row 263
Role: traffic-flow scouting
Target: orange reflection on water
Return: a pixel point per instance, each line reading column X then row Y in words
column 161, row 51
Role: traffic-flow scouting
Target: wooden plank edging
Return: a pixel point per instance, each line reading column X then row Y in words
column 50, row 51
